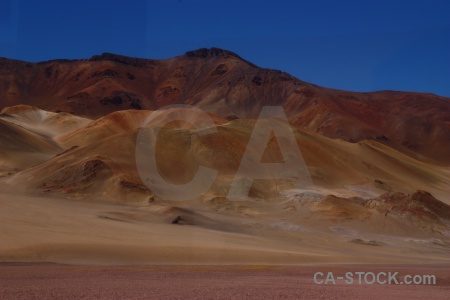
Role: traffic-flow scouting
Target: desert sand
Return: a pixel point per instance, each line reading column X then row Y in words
column 49, row 229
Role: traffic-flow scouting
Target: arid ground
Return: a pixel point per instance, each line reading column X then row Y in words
column 210, row 282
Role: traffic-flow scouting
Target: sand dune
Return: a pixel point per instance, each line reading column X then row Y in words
column 363, row 201
column 41, row 121
column 370, row 184
column 115, row 123
column 60, row 230
column 21, row 148
column 28, row 136
column 363, row 169
column 209, row 230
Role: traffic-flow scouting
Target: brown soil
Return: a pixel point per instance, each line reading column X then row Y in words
column 210, row 282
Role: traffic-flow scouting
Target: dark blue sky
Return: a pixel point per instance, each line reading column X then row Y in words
column 347, row 44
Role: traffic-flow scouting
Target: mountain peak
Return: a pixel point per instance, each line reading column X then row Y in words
column 211, row 52
column 127, row 60
column 199, row 53
column 215, row 52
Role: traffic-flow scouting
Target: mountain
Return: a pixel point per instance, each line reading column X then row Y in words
column 72, row 189
column 222, row 83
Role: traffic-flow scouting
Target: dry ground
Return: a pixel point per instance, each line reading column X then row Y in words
column 28, row 281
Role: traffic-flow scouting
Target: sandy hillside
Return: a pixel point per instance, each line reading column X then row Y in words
column 101, row 163
column 85, row 202
column 82, row 232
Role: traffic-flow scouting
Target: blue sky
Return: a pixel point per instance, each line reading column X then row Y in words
column 354, row 45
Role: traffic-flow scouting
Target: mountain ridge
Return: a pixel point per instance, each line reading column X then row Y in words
column 222, row 83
